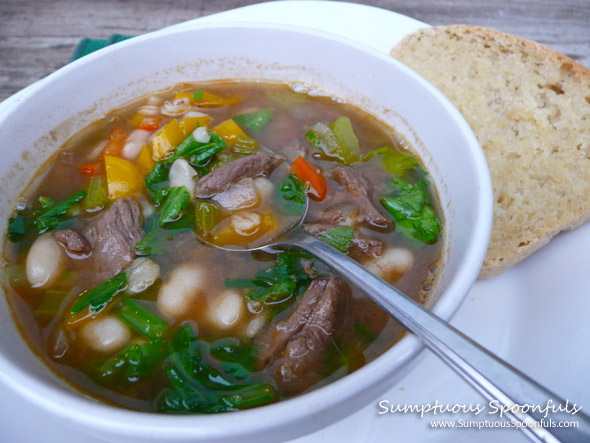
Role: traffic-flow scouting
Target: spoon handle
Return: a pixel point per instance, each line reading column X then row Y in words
column 489, row 375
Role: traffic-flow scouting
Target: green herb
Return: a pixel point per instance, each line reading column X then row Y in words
column 138, row 360
column 97, row 298
column 18, row 227
column 396, row 162
column 278, row 283
column 142, row 320
column 412, row 210
column 198, row 95
column 291, row 194
column 199, row 153
column 236, row 359
column 254, row 121
column 50, row 218
column 97, row 197
column 156, row 182
column 363, row 332
column 206, row 217
column 339, row 237
column 195, row 386
column 176, row 201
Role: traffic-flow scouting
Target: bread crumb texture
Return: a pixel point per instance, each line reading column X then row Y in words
column 529, row 107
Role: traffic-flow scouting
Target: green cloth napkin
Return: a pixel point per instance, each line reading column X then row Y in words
column 88, row 45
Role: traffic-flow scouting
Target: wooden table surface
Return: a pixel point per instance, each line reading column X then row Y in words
column 38, row 36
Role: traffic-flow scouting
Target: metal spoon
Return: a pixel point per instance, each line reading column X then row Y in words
column 488, row 374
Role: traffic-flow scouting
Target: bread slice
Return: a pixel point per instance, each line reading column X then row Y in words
column 529, row 107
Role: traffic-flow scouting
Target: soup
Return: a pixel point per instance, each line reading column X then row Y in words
column 114, row 275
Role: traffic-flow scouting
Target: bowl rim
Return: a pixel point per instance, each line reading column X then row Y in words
column 79, row 408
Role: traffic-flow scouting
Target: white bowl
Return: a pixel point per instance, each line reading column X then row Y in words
column 35, row 125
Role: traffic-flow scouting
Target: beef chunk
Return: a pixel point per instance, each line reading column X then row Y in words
column 74, row 242
column 246, row 167
column 363, row 246
column 356, row 185
column 113, row 236
column 294, row 349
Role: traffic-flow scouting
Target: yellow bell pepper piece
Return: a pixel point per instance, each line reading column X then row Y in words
column 226, row 235
column 185, row 94
column 124, row 178
column 166, row 139
column 209, row 100
column 136, row 120
column 229, row 131
column 144, row 160
column 189, row 124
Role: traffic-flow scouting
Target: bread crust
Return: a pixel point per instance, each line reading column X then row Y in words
column 529, row 107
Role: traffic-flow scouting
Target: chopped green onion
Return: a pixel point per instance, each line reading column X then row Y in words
column 142, row 320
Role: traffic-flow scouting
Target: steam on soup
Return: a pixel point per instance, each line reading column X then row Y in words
column 112, row 286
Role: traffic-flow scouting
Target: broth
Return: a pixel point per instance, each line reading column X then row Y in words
column 184, row 327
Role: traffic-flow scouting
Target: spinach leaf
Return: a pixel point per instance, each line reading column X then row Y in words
column 176, row 201
column 254, row 121
column 157, row 238
column 339, row 237
column 155, row 183
column 395, row 162
column 18, row 227
column 50, row 218
column 412, row 210
column 138, row 360
column 291, row 195
column 199, row 153
column 98, row 297
column 141, row 319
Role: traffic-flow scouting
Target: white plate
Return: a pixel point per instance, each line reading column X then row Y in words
column 534, row 315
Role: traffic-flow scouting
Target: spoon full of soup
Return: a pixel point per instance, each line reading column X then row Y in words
column 254, row 219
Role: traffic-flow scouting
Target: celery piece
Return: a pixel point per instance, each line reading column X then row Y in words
column 254, row 121
column 350, row 149
column 394, row 161
column 245, row 146
column 97, row 197
column 206, row 217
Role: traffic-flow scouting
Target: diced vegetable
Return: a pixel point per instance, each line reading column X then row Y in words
column 412, row 211
column 206, row 99
column 339, row 237
column 245, row 146
column 176, row 201
column 228, row 235
column 312, row 176
column 88, row 170
column 199, row 153
column 336, row 142
column 189, row 124
column 124, row 178
column 98, row 297
column 97, row 197
column 144, row 160
column 206, row 217
column 136, row 120
column 142, row 320
column 254, row 121
column 150, row 123
column 116, row 142
column 55, row 214
column 173, row 133
column 394, row 161
column 229, row 131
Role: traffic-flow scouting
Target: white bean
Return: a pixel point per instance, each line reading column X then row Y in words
column 106, row 334
column 181, row 174
column 245, row 222
column 264, row 187
column 392, row 263
column 181, row 290
column 45, row 262
column 201, row 134
column 226, row 310
column 134, row 143
column 141, row 274
column 176, row 107
column 255, row 325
